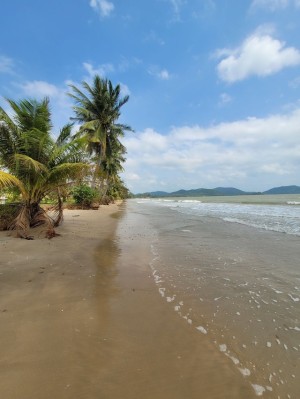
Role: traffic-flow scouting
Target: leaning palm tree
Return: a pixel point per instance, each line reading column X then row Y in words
column 36, row 164
column 97, row 109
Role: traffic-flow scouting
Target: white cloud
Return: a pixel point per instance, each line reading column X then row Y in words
column 39, row 88
column 132, row 176
column 274, row 168
column 259, row 55
column 254, row 154
column 101, row 70
column 6, row 64
column 103, row 7
column 162, row 74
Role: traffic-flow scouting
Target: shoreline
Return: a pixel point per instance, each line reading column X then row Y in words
column 82, row 318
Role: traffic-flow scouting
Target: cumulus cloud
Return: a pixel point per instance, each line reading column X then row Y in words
column 6, row 64
column 39, row 88
column 103, row 7
column 253, row 153
column 260, row 55
column 101, row 70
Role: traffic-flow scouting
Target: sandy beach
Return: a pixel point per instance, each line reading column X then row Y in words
column 81, row 318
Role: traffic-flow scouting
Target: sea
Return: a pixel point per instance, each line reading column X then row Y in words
column 230, row 268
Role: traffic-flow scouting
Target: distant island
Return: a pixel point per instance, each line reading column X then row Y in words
column 218, row 191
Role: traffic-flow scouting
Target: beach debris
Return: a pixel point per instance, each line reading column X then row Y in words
column 201, row 329
column 295, row 299
column 245, row 372
column 259, row 390
column 223, row 347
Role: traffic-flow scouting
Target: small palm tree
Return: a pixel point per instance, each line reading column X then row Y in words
column 98, row 110
column 35, row 163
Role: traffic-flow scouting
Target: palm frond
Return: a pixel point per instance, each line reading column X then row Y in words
column 30, row 163
column 8, row 181
column 68, row 171
column 65, row 134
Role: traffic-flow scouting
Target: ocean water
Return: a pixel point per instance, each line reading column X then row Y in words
column 229, row 267
column 278, row 213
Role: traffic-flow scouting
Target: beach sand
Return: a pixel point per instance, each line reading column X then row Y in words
column 81, row 318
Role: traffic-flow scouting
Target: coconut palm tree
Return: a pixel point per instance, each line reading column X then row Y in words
column 35, row 163
column 111, row 165
column 98, row 109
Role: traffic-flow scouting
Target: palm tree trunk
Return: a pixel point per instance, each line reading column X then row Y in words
column 59, row 216
column 22, row 222
column 32, row 215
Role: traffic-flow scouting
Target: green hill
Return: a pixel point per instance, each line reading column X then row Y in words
column 284, row 190
column 218, row 191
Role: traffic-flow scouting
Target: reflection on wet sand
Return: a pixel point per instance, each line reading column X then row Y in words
column 151, row 353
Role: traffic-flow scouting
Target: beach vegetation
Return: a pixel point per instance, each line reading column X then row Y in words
column 38, row 167
column 35, row 164
column 98, row 109
column 85, row 195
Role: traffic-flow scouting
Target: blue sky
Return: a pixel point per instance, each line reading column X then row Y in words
column 214, row 85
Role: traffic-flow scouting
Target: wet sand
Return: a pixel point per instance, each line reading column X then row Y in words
column 239, row 285
column 81, row 317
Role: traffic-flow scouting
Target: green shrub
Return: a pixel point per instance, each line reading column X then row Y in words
column 84, row 195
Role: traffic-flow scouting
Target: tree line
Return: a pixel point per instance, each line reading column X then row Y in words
column 34, row 164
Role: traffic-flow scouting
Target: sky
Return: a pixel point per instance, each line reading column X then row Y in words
column 214, row 85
